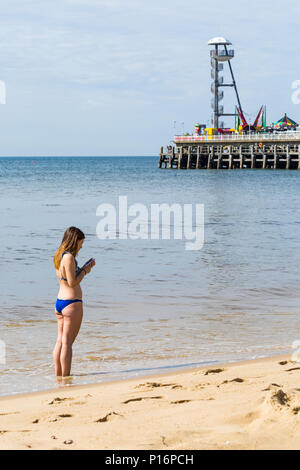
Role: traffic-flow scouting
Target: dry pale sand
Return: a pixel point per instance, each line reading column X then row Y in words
column 250, row 405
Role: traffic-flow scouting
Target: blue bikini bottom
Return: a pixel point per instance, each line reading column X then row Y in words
column 61, row 304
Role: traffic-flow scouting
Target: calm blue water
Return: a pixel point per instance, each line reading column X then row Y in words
column 148, row 303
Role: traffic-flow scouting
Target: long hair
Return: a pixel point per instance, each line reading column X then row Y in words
column 69, row 243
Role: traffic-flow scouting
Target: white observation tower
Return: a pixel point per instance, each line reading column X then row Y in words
column 220, row 54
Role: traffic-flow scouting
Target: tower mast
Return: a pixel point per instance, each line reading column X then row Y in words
column 218, row 55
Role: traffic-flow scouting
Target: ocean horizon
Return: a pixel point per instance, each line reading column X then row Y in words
column 148, row 304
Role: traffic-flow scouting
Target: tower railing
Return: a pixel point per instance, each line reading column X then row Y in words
column 222, row 54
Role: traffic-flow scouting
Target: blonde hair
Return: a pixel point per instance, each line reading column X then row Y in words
column 69, row 243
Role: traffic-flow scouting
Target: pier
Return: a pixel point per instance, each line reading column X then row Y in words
column 273, row 151
column 244, row 145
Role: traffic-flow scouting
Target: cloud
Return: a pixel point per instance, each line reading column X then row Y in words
column 82, row 56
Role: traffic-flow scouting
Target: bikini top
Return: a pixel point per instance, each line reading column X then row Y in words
column 77, row 267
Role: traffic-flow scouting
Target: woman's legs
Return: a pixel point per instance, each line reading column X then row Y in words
column 57, row 347
column 72, row 318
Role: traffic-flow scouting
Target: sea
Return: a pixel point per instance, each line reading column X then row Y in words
column 150, row 304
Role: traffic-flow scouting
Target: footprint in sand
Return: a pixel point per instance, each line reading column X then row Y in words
column 280, row 397
column 238, row 380
column 108, row 417
column 214, row 371
column 270, row 387
column 140, row 398
column 178, row 402
column 150, row 385
column 58, row 400
column 64, row 415
column 198, row 387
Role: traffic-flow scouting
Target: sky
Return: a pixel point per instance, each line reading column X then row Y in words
column 121, row 77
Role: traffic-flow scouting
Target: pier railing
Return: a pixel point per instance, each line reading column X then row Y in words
column 256, row 137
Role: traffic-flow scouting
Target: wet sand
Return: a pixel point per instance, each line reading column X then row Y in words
column 248, row 405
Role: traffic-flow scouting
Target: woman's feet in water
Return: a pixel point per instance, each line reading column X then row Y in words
column 68, row 380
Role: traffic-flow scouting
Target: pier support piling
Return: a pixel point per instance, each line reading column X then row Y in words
column 209, row 154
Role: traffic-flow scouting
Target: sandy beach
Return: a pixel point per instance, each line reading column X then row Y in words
column 249, row 405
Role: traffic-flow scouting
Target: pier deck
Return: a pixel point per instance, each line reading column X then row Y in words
column 278, row 151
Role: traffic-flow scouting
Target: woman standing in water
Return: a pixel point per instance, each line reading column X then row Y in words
column 69, row 302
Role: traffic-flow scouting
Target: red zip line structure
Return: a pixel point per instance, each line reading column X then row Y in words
column 249, row 127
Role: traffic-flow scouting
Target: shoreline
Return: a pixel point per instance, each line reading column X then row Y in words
column 251, row 404
column 165, row 373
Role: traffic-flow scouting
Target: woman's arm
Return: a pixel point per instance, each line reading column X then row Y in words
column 70, row 268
